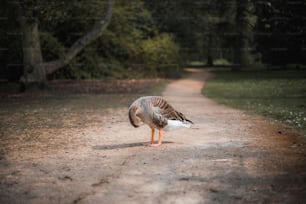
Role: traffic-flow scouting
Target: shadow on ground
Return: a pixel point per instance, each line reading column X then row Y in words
column 121, row 146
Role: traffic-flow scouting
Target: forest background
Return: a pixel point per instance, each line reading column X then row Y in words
column 145, row 38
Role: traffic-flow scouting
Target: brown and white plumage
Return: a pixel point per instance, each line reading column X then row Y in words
column 157, row 113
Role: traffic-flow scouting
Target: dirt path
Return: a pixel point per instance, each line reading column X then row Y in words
column 227, row 157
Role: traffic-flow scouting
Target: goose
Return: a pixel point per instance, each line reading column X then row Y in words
column 157, row 113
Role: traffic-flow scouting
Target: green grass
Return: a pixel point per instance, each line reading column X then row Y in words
column 219, row 61
column 277, row 94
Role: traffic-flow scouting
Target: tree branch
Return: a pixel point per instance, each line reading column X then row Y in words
column 82, row 42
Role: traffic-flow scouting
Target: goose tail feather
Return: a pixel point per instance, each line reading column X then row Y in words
column 175, row 124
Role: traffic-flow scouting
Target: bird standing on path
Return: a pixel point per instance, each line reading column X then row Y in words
column 157, row 113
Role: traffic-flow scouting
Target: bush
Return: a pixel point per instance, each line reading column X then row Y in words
column 89, row 65
column 160, row 56
column 221, row 61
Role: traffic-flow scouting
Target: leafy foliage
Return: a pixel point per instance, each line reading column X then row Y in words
column 119, row 53
column 160, row 56
column 155, row 38
column 123, row 50
column 206, row 30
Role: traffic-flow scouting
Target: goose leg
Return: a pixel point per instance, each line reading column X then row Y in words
column 160, row 136
column 152, row 138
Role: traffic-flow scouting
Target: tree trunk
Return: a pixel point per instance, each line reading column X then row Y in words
column 34, row 73
column 209, row 61
column 241, row 49
column 35, row 70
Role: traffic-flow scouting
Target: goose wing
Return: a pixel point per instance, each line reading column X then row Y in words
column 164, row 110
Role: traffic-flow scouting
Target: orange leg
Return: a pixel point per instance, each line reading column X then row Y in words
column 160, row 137
column 152, row 136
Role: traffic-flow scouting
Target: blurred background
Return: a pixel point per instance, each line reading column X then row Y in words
column 146, row 38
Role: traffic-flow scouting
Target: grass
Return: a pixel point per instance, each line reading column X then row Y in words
column 277, row 94
column 216, row 62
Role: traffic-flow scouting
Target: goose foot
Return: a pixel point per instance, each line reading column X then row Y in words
column 149, row 144
column 154, row 145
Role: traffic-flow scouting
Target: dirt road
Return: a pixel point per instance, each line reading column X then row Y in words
column 226, row 157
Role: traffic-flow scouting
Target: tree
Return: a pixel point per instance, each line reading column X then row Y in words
column 208, row 29
column 241, row 43
column 281, row 31
column 35, row 69
column 180, row 18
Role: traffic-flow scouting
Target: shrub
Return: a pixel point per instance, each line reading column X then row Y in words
column 160, row 56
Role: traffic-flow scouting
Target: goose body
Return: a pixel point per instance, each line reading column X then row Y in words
column 157, row 113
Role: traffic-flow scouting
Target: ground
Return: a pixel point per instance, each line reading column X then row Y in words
column 228, row 156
